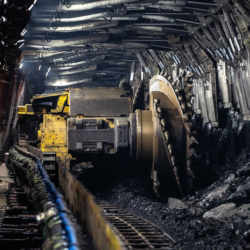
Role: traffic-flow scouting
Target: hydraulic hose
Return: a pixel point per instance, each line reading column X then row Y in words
column 56, row 224
column 70, row 232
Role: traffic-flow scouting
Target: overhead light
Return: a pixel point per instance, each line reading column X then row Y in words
column 49, row 69
column 24, row 31
column 4, row 19
column 32, row 5
column 60, row 83
column 19, row 42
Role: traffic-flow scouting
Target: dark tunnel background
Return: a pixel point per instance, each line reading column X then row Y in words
column 200, row 47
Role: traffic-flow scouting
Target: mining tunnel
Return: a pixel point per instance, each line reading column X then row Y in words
column 124, row 124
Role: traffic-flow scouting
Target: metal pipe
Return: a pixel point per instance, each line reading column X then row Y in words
column 210, row 102
column 143, row 63
column 67, row 41
column 72, row 72
column 57, row 28
column 223, row 83
column 44, row 17
column 196, row 105
column 202, row 101
column 78, row 5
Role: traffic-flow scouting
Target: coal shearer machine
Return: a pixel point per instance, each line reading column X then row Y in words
column 88, row 123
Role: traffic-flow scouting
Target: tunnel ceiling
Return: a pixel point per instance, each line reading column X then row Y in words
column 14, row 15
column 102, row 43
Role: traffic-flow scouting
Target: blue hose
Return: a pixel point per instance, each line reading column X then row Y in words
column 70, row 231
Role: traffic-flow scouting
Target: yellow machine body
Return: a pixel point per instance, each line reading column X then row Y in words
column 60, row 114
column 60, row 104
column 25, row 110
column 53, row 135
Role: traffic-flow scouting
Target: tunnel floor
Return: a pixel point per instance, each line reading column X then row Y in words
column 214, row 217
